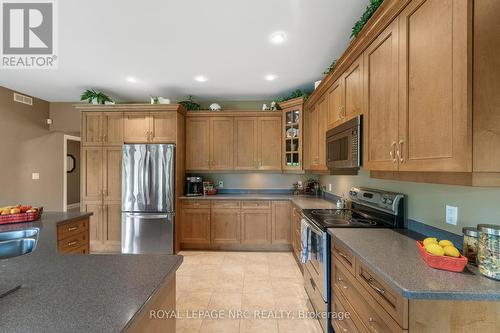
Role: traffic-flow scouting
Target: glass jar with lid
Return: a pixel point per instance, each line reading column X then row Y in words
column 489, row 250
column 471, row 244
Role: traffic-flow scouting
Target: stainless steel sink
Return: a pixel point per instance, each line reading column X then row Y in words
column 17, row 243
column 16, row 234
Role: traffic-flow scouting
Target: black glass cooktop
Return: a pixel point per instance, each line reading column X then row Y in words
column 340, row 218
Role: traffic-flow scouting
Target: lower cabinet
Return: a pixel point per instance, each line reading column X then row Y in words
column 73, row 237
column 256, row 226
column 296, row 232
column 225, row 226
column 235, row 225
column 105, row 226
column 195, row 227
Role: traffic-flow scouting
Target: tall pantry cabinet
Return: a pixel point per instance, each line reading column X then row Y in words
column 105, row 128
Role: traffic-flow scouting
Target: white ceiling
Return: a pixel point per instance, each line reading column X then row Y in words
column 164, row 44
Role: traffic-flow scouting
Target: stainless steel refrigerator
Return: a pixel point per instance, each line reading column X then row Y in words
column 148, row 195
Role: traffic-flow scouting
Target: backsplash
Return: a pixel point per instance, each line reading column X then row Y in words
column 255, row 181
column 426, row 202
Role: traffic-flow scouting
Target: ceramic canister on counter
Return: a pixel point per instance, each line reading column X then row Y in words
column 471, row 244
column 489, row 250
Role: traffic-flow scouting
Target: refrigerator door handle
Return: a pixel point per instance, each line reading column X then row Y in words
column 150, row 216
column 147, row 176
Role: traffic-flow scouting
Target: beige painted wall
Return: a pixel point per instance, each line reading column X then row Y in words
column 27, row 146
column 256, row 180
column 73, row 184
column 65, row 118
column 426, row 202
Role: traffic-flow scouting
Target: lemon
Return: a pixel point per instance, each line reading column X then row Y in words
column 434, row 249
column 430, row 240
column 445, row 243
column 451, row 251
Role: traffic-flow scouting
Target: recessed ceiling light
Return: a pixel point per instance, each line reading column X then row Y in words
column 277, row 37
column 200, row 78
column 131, row 79
column 270, row 77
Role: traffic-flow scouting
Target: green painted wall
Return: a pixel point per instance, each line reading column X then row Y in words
column 426, row 202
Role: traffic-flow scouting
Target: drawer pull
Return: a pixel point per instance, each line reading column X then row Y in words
column 313, row 285
column 342, row 283
column 371, row 325
column 73, row 243
column 72, row 228
column 343, row 255
column 374, row 287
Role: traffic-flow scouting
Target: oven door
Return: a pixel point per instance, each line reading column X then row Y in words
column 343, row 146
column 317, row 264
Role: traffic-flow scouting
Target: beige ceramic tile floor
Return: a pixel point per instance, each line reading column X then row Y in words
column 265, row 289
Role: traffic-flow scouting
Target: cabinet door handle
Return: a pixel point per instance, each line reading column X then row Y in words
column 400, row 151
column 73, row 243
column 104, row 138
column 72, row 228
column 391, row 152
column 372, row 324
column 342, row 283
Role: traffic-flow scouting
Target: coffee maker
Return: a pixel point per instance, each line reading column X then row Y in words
column 193, row 186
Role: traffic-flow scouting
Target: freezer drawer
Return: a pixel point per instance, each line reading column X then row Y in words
column 147, row 233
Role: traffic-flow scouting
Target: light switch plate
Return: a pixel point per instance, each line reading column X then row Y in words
column 35, row 176
column 221, row 184
column 451, row 214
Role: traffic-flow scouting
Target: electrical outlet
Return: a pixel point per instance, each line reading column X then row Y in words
column 451, row 214
column 329, row 187
column 221, row 184
column 35, row 176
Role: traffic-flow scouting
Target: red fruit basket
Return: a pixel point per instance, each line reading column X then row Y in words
column 442, row 262
column 21, row 217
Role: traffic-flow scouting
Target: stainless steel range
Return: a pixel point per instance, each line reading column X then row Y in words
column 369, row 209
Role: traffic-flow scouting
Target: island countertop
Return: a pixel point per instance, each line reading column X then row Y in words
column 76, row 293
column 301, row 201
column 396, row 259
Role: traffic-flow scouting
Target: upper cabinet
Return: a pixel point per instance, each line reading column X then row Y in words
column 418, row 115
column 233, row 141
column 155, row 127
column 410, row 73
column 102, row 128
column 292, row 133
column 435, row 116
column 381, row 118
column 316, row 118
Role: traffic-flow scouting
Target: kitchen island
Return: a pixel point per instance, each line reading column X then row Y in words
column 82, row 293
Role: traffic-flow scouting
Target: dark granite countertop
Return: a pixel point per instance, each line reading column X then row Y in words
column 395, row 257
column 76, row 293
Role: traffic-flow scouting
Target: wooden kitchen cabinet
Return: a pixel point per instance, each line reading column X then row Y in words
column 297, row 218
column 95, row 221
column 197, row 143
column 256, row 226
column 245, row 143
column 112, row 225
column 102, row 128
column 225, row 226
column 435, row 116
column 335, row 100
column 233, row 142
column 221, row 143
column 112, row 173
column 145, row 127
column 353, row 90
column 209, row 143
column 73, row 237
column 91, row 173
column 269, row 146
column 282, row 222
column 292, row 134
column 316, row 129
column 195, row 226
column 381, row 103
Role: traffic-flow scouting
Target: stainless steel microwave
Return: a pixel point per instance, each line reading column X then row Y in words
column 343, row 146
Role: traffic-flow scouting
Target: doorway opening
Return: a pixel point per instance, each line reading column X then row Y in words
column 71, row 170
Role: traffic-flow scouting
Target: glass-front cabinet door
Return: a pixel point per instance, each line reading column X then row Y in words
column 292, row 134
